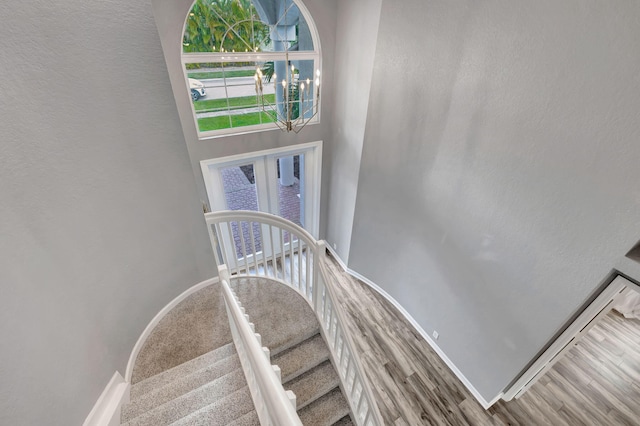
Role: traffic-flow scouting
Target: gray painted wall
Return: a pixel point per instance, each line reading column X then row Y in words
column 170, row 16
column 499, row 178
column 357, row 32
column 99, row 219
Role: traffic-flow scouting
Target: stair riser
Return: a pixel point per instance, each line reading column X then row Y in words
column 164, row 378
column 221, row 413
column 179, row 387
column 326, row 410
column 193, row 401
column 278, row 350
column 249, row 419
column 302, row 358
column 314, row 384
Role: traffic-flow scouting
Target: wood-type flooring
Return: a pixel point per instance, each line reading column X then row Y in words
column 597, row 383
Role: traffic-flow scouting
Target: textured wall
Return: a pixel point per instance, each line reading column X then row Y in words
column 499, row 178
column 98, row 213
column 357, row 32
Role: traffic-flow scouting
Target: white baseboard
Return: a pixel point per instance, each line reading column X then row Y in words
column 338, row 259
column 106, row 411
column 485, row 404
column 147, row 331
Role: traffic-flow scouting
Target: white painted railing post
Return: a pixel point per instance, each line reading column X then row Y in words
column 223, row 273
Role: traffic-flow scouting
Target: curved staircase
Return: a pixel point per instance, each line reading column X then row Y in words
column 290, row 329
column 278, row 280
column 212, row 390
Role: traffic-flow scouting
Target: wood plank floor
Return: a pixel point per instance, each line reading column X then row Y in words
column 597, row 383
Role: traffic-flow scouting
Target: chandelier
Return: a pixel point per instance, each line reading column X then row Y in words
column 298, row 106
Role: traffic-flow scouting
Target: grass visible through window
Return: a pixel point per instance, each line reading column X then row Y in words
column 239, row 120
column 212, row 105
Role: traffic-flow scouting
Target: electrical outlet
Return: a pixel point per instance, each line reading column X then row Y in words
column 435, row 335
column 335, row 246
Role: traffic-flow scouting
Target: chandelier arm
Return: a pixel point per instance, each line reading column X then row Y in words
column 283, row 119
column 280, row 126
column 298, row 129
column 268, row 108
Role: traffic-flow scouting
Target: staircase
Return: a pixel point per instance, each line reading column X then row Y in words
column 208, row 390
column 212, row 390
column 307, row 371
column 290, row 330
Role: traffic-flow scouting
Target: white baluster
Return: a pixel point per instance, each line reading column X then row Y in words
column 276, row 369
column 273, row 253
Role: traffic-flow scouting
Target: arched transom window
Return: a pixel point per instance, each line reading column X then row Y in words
column 247, row 62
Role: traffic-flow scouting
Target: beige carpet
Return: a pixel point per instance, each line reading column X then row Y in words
column 194, row 327
column 203, row 387
column 282, row 317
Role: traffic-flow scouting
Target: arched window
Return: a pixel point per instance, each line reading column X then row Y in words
column 249, row 63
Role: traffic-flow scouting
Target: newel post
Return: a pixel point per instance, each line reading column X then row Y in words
column 223, row 273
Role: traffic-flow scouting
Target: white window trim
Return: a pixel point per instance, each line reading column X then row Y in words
column 313, row 170
column 219, row 57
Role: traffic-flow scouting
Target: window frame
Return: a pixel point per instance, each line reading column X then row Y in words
column 226, row 57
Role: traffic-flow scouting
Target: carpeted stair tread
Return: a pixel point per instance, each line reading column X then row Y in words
column 184, row 405
column 325, row 411
column 249, row 419
column 313, row 384
column 301, row 358
column 178, row 371
column 281, row 315
column 231, row 408
column 180, row 386
column 345, row 421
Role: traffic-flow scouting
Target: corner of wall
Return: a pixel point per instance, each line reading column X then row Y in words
column 486, row 404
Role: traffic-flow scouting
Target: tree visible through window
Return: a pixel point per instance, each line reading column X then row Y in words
column 226, row 42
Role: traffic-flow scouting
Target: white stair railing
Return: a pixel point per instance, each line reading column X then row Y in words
column 341, row 345
column 274, row 405
column 261, row 244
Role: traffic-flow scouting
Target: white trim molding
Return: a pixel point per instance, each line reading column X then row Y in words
column 314, row 55
column 106, row 411
column 569, row 337
column 266, row 178
column 485, row 404
column 147, row 331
